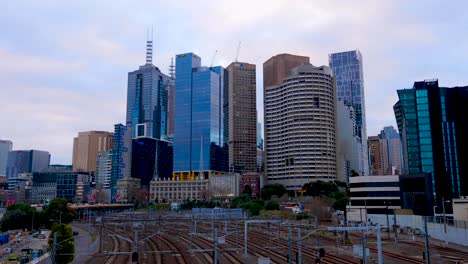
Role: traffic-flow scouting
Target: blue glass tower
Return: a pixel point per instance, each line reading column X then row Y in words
column 433, row 129
column 199, row 117
column 348, row 69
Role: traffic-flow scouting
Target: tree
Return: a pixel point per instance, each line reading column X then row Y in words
column 58, row 210
column 65, row 248
column 320, row 188
column 272, row 205
column 354, row 173
column 247, row 190
column 272, row 189
column 17, row 216
column 253, row 208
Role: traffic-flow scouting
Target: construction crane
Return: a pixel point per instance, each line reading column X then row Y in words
column 237, row 52
column 213, row 58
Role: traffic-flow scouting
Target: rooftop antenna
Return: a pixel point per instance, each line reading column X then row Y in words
column 237, row 52
column 149, row 47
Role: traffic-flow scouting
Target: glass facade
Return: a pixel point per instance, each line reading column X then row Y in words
column 431, row 124
column 5, row 148
column 26, row 161
column 147, row 101
column 121, row 157
column 348, row 69
column 199, row 115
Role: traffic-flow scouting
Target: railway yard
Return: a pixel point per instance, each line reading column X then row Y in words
column 183, row 238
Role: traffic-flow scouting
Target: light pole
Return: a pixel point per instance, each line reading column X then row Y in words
column 388, row 224
column 443, row 212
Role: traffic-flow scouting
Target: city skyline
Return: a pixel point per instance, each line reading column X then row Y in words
column 54, row 86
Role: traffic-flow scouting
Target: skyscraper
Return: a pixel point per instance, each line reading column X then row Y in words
column 121, row 157
column 87, row 146
column 5, row 147
column 395, row 156
column 279, row 67
column 300, row 125
column 104, row 169
column 242, row 117
column 348, row 70
column 147, row 100
column 26, row 161
column 375, row 155
column 433, row 128
column 199, row 117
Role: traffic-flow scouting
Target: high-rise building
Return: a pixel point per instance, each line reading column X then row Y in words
column 242, row 117
column 104, row 169
column 348, row 70
column 151, row 158
column 26, row 161
column 433, row 128
column 199, row 118
column 300, row 125
column 121, row 157
column 147, row 100
column 375, row 155
column 279, row 67
column 348, row 147
column 87, row 146
column 395, row 156
column 259, row 135
column 5, row 147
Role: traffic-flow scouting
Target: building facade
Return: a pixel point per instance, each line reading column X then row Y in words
column 348, row 147
column 121, row 157
column 279, row 67
column 225, row 186
column 151, row 158
column 242, row 117
column 348, row 70
column 87, row 146
column 170, row 101
column 199, row 116
column 385, row 156
column 300, row 125
column 177, row 191
column 433, row 129
column 127, row 190
column 5, row 147
column 26, row 161
column 104, row 169
column 252, row 180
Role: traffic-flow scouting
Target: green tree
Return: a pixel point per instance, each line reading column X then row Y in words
column 247, row 190
column 320, row 188
column 272, row 189
column 239, row 201
column 17, row 216
column 59, row 211
column 253, row 208
column 354, row 173
column 272, row 205
column 65, row 248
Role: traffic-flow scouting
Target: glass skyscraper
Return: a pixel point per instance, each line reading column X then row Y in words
column 433, row 131
column 199, row 117
column 5, row 148
column 348, row 69
column 121, row 157
column 26, row 161
column 147, row 102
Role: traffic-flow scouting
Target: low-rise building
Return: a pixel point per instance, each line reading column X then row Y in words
column 175, row 191
column 460, row 209
column 253, row 180
column 224, row 186
column 127, row 189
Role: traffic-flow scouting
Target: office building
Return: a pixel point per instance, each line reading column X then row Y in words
column 224, row 186
column 300, row 125
column 199, row 118
column 104, row 169
column 168, row 191
column 147, row 99
column 259, row 135
column 348, row 70
column 151, row 158
column 279, row 67
column 48, row 185
column 26, row 161
column 5, row 147
column 348, row 147
column 375, row 155
column 385, row 156
column 121, row 156
column 127, row 190
column 433, row 128
column 170, row 101
column 87, row 146
column 395, row 155
column 242, row 117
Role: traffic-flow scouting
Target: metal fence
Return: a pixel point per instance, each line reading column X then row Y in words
column 217, row 213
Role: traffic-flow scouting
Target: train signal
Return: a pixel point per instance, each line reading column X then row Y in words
column 322, row 252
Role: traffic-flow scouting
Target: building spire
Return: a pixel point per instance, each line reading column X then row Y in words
column 149, row 47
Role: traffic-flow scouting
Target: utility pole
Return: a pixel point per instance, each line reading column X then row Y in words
column 32, row 222
column 316, row 232
column 428, row 254
column 388, row 223
column 215, row 255
column 394, row 226
column 54, row 249
column 290, row 246
column 364, row 257
column 445, row 218
column 299, row 247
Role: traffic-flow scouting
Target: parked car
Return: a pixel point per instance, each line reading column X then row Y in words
column 75, row 233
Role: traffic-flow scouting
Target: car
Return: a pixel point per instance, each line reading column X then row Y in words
column 7, row 250
column 75, row 233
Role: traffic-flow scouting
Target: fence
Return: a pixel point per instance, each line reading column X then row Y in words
column 217, row 213
column 451, row 231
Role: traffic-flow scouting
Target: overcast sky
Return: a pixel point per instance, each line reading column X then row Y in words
column 64, row 64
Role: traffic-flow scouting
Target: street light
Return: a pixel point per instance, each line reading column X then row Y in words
column 388, row 224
